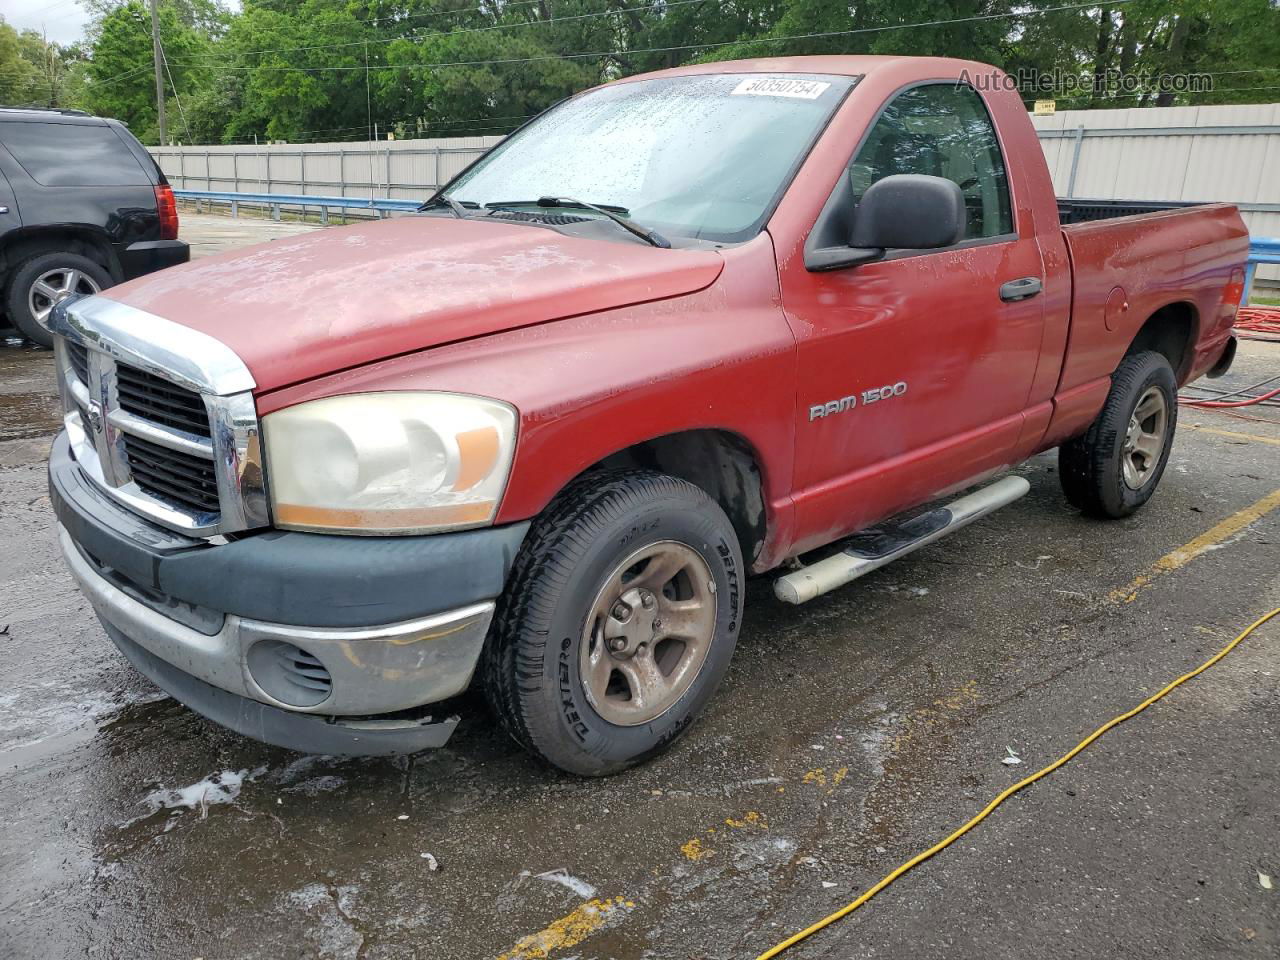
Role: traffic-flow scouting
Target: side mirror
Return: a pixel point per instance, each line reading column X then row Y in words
column 909, row 211
column 906, row 211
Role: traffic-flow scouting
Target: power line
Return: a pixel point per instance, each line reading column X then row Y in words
column 654, row 4
column 683, row 47
column 447, row 13
column 176, row 99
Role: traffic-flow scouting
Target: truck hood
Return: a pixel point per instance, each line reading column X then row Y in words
column 337, row 298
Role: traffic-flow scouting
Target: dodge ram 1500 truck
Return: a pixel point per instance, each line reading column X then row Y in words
column 676, row 331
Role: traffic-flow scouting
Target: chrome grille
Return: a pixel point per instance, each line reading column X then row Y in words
column 79, row 357
column 160, row 417
column 159, row 401
column 180, row 478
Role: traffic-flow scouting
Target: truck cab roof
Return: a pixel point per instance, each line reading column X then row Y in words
column 835, row 65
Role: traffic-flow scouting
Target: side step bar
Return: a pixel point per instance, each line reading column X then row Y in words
column 873, row 548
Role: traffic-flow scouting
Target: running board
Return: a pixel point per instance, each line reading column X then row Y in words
column 873, row 548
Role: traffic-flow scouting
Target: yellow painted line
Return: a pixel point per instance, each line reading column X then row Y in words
column 1176, row 559
column 1251, row 437
column 570, row 930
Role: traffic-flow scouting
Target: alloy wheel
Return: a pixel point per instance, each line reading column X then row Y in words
column 54, row 286
column 1145, row 438
column 648, row 633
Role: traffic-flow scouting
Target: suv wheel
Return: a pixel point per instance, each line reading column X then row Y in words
column 1115, row 467
column 42, row 282
column 618, row 621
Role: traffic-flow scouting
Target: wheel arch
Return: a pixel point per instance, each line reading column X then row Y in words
column 1171, row 331
column 29, row 242
column 723, row 464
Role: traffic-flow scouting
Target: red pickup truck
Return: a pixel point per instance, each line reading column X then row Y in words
column 681, row 329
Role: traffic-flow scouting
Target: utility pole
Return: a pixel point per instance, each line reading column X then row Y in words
column 158, row 56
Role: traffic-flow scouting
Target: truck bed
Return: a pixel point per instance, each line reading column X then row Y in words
column 1080, row 211
column 1127, row 264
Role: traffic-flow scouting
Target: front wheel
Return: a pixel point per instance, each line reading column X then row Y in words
column 618, row 622
column 1114, row 468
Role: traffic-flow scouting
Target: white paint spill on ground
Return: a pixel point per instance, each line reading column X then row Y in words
column 583, row 889
column 221, row 787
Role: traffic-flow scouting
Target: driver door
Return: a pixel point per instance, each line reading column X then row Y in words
column 928, row 366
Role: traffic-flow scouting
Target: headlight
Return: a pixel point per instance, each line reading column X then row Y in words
column 377, row 463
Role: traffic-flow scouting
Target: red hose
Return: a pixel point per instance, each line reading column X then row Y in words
column 1231, row 403
column 1249, row 320
column 1263, row 320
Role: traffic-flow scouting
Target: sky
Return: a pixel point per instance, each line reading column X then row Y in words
column 62, row 20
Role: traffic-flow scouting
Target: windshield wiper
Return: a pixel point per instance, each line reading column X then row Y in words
column 616, row 214
column 458, row 209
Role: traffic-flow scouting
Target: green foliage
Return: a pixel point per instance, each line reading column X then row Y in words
column 332, row 69
column 17, row 75
column 119, row 79
column 56, row 70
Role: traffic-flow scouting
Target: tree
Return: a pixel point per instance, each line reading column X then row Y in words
column 331, row 69
column 444, row 85
column 17, row 75
column 119, row 80
column 52, row 65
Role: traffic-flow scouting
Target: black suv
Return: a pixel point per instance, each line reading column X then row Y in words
column 82, row 206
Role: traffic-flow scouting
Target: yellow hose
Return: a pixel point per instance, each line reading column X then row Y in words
column 1007, row 793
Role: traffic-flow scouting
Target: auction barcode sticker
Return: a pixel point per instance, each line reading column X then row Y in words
column 781, row 87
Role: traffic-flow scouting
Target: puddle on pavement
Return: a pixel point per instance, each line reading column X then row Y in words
column 29, row 407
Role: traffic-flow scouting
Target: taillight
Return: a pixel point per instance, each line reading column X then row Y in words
column 167, row 207
column 1234, row 291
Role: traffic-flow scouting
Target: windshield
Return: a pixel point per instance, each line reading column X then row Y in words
column 693, row 156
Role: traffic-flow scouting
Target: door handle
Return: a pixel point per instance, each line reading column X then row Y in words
column 3, row 209
column 1020, row 289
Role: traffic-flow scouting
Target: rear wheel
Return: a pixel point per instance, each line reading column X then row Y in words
column 1115, row 467
column 42, row 282
column 618, row 621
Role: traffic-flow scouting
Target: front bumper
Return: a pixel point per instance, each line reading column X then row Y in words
column 181, row 611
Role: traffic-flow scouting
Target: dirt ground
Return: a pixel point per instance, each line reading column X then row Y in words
column 851, row 733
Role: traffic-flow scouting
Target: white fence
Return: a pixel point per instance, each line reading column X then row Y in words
column 1229, row 153
column 401, row 169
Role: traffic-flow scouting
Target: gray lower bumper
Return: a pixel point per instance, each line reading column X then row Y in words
column 368, row 671
column 295, row 731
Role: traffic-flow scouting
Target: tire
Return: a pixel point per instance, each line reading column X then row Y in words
column 54, row 271
column 565, row 690
column 1115, row 467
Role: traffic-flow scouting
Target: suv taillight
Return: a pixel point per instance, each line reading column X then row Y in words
column 167, row 207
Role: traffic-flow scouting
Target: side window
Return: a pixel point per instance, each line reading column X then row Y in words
column 72, row 154
column 942, row 130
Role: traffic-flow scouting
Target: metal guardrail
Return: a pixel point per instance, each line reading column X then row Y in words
column 1261, row 250
column 274, row 201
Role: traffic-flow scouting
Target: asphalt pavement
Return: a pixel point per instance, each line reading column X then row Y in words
column 851, row 733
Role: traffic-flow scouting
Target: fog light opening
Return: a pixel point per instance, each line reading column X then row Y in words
column 289, row 674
